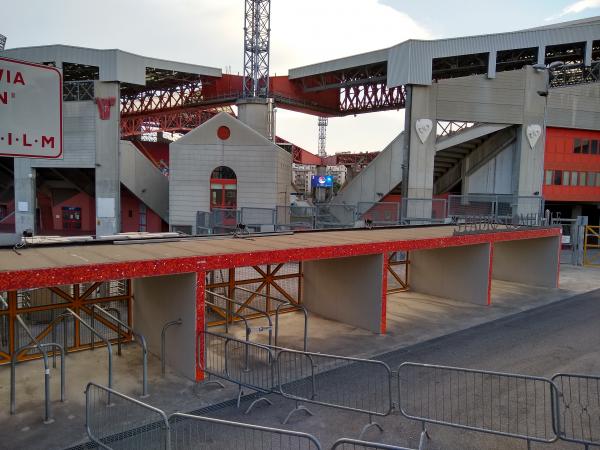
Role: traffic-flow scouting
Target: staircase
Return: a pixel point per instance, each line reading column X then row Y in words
column 376, row 180
column 144, row 179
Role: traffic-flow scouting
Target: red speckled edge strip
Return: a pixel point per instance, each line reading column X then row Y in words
column 200, row 317
column 27, row 279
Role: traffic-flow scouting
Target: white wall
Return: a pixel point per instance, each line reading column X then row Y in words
column 158, row 300
column 348, row 290
column 495, row 176
column 263, row 169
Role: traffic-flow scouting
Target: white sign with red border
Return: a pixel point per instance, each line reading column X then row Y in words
column 30, row 110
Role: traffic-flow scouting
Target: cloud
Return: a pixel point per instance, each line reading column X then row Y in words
column 576, row 8
column 210, row 33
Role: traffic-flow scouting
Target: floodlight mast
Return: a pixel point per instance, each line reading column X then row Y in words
column 257, row 32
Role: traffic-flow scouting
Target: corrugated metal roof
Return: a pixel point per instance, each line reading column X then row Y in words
column 410, row 62
column 114, row 64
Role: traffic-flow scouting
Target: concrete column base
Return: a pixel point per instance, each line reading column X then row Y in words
column 348, row 290
column 528, row 261
column 158, row 300
column 459, row 273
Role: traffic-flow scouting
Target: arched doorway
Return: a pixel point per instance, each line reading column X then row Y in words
column 223, row 188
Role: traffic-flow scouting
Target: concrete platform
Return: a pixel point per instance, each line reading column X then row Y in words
column 412, row 319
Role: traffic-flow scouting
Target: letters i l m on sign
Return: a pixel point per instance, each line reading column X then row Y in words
column 30, row 110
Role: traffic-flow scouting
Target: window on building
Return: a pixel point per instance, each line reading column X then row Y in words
column 574, row 179
column 572, row 53
column 516, row 58
column 585, row 146
column 548, row 177
column 591, row 179
column 565, row 180
column 223, row 189
column 459, row 66
column 557, row 177
column 577, row 146
column 598, row 180
column 582, row 178
column 594, row 148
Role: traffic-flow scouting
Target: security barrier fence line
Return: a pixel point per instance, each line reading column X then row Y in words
column 369, row 214
column 116, row 421
column 534, row 409
column 301, row 376
column 322, row 379
column 196, row 432
column 356, row 444
column 511, row 405
column 579, row 408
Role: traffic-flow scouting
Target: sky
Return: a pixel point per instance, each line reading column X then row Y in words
column 210, row 32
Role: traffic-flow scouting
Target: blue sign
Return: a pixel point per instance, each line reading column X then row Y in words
column 324, row 181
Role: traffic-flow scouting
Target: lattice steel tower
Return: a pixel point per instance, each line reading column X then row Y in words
column 257, row 31
column 2, row 42
column 322, row 136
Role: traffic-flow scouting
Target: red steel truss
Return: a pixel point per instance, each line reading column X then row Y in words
column 370, row 98
column 173, row 105
column 170, row 121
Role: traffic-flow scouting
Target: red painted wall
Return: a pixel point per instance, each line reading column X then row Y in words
column 130, row 215
column 560, row 155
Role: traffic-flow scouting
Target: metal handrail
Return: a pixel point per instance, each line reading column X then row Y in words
column 102, row 338
column 162, row 342
column 13, row 377
column 116, row 313
column 142, row 341
column 248, row 329
column 251, row 308
column 277, row 311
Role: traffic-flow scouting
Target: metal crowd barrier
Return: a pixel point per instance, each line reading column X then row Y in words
column 247, row 364
column 129, row 423
column 114, row 420
column 352, row 384
column 578, row 418
column 517, row 406
column 355, row 444
column 188, row 431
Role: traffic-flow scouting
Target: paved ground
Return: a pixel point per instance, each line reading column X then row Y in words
column 560, row 337
column 412, row 319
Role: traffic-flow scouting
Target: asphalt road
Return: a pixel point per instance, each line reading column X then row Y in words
column 562, row 337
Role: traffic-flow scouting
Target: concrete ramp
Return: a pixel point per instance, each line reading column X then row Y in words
column 144, row 180
column 376, row 180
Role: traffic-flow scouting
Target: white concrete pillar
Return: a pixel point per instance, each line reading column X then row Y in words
column 459, row 273
column 349, row 290
column 529, row 159
column 25, row 195
column 108, row 184
column 158, row 300
column 258, row 114
column 421, row 151
column 528, row 261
